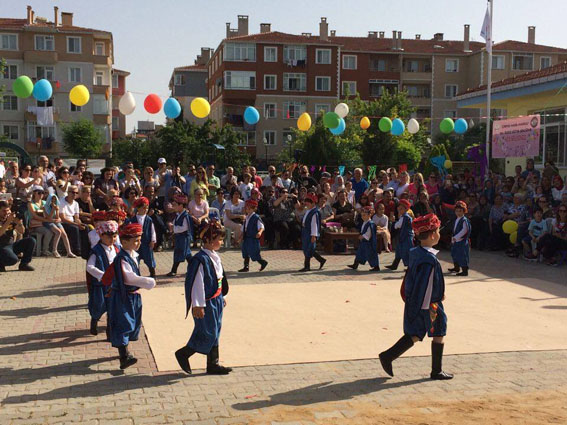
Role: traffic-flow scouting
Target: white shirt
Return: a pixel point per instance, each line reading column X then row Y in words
column 2, row 171
column 248, row 217
column 381, row 221
column 198, row 289
column 398, row 224
column 141, row 219
column 245, row 190
column 314, row 227
column 95, row 272
column 401, row 189
column 368, row 234
column 184, row 227
column 429, row 290
column 268, row 182
column 460, row 236
column 131, row 278
column 69, row 210
column 351, row 197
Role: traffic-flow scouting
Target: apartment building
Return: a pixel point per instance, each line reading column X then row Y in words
column 66, row 55
column 118, row 90
column 284, row 75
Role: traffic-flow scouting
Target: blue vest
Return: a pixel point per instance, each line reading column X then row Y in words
column 101, row 261
column 251, row 229
column 459, row 227
column 406, row 231
column 118, row 283
column 373, row 241
column 146, row 229
column 421, row 262
column 184, row 216
column 306, row 230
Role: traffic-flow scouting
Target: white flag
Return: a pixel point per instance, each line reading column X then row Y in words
column 486, row 31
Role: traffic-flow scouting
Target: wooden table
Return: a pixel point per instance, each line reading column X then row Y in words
column 329, row 237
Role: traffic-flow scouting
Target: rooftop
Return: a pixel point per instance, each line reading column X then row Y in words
column 191, row 68
column 22, row 24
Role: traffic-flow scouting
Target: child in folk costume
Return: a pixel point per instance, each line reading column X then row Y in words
column 423, row 290
column 146, row 251
column 310, row 232
column 252, row 230
column 460, row 249
column 102, row 255
column 205, row 288
column 97, row 217
column 405, row 236
column 125, row 305
column 117, row 216
column 368, row 248
column 183, row 233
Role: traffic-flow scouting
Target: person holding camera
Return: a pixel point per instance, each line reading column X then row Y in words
column 10, row 224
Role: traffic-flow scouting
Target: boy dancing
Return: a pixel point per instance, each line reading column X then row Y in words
column 423, row 290
column 460, row 250
column 405, row 237
column 183, row 233
column 252, row 230
column 368, row 248
column 310, row 232
column 146, row 251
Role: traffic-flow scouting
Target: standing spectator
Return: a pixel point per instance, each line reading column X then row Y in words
column 86, row 206
column 432, row 184
column 381, row 221
column 255, row 179
column 162, row 175
column 200, row 182
column 101, row 187
column 234, row 214
column 130, row 180
column 24, row 184
column 268, row 179
column 359, row 184
column 282, row 212
column 286, row 181
column 351, row 194
column 228, row 177
column 213, row 183
column 403, row 185
column 175, row 179
column 304, row 179
column 63, row 182
column 245, row 188
column 70, row 218
column 422, row 207
column 394, row 182
column 416, row 186
column 148, row 179
column 10, row 225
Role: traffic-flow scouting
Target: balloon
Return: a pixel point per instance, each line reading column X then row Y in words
column 364, row 123
column 171, row 108
column 513, row 237
column 200, row 107
column 448, row 164
column 152, row 103
column 331, row 120
column 398, row 127
column 23, row 86
column 127, row 104
column 251, row 115
column 340, row 128
column 341, row 110
column 461, row 126
column 385, row 124
column 42, row 90
column 471, row 123
column 509, row 227
column 413, row 126
column 79, row 95
column 447, row 125
column 304, row 122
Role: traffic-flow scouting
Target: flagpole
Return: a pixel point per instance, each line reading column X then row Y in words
column 488, row 93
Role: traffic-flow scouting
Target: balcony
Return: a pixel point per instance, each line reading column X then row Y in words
column 102, row 119
column 292, row 63
column 416, row 76
column 46, row 57
column 101, row 89
column 31, row 116
column 420, row 100
column 45, row 145
column 102, row 60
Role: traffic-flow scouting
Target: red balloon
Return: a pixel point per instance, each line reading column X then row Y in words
column 152, row 103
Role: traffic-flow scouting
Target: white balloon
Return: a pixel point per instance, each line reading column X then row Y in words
column 471, row 123
column 413, row 126
column 341, row 110
column 127, row 104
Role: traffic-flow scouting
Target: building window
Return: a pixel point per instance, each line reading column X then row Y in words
column 240, row 52
column 325, row 107
column 544, row 62
column 270, row 110
column 270, row 54
column 349, row 88
column 450, row 114
column 115, row 123
column 75, row 108
column 74, row 75
column 323, row 56
column 451, row 90
column 240, row 80
column 100, row 104
column 44, row 42
column 322, row 83
column 8, row 41
column 421, row 91
column 522, row 61
column 411, row 66
column 498, row 62
column 73, row 44
column 11, row 132
column 288, row 136
column 451, row 65
column 270, row 82
column 270, row 137
column 10, row 72
column 35, row 132
column 99, row 78
column 349, row 62
column 378, row 65
column 553, row 137
column 179, row 79
column 10, row 103
column 294, row 53
column 295, row 82
column 44, row 72
column 247, row 138
column 99, row 48
column 292, row 110
column 114, row 81
column 45, row 104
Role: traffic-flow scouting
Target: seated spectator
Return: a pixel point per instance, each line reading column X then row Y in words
column 265, row 213
column 11, row 226
column 495, row 220
column 330, row 196
column 268, row 179
column 519, row 213
column 219, row 203
column 557, row 190
column 479, row 223
column 35, row 211
column 234, row 214
column 87, row 179
column 198, row 207
column 344, row 211
column 327, row 214
column 69, row 214
column 229, row 177
column 360, row 205
column 536, row 230
column 53, row 220
column 338, row 185
column 286, row 181
column 552, row 243
column 422, row 206
column 283, row 216
column 350, row 194
column 245, row 188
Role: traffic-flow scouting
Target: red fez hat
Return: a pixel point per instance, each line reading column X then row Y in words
column 462, row 205
column 142, row 200
column 116, row 215
column 252, row 203
column 405, row 203
column 311, row 197
column 131, row 230
column 425, row 223
column 99, row 216
column 180, row 198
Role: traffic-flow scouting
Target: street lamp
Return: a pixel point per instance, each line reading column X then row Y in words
column 290, row 143
column 266, row 146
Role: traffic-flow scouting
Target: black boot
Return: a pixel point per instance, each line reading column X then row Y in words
column 394, row 265
column 246, row 266
column 375, row 269
column 94, row 330
column 152, row 272
column 321, row 260
column 263, row 264
column 306, row 265
column 182, row 355
column 107, row 327
column 354, row 265
column 213, row 366
column 465, row 272
column 391, row 354
column 173, row 271
column 455, row 269
column 126, row 359
column 436, row 362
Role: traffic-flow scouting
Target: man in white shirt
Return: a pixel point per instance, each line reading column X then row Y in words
column 268, row 179
column 69, row 211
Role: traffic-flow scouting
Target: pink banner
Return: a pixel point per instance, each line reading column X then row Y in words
column 516, row 137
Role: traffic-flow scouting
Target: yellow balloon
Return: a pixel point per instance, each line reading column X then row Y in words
column 200, row 107
column 79, row 95
column 364, row 123
column 448, row 164
column 509, row 227
column 513, row 237
column 304, row 122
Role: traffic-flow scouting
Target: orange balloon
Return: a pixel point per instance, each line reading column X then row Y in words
column 364, row 123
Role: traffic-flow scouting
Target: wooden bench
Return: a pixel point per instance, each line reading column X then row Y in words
column 329, row 237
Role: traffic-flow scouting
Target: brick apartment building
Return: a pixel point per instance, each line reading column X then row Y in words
column 66, row 55
column 284, row 75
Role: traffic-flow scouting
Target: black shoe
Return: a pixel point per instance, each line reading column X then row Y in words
column 244, row 269
column 391, row 354
column 152, row 272
column 392, row 267
column 2, row 268
column 441, row 376
column 25, row 267
column 437, row 363
column 353, row 266
column 94, row 330
column 304, row 269
column 465, row 272
column 322, row 263
column 263, row 264
column 375, row 269
column 171, row 274
column 126, row 359
column 182, row 355
column 213, row 366
column 306, row 265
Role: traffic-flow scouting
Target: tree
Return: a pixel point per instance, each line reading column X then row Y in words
column 82, row 139
column 458, row 145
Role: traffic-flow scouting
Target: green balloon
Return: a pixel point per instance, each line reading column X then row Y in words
column 23, row 86
column 331, row 120
column 447, row 126
column 385, row 124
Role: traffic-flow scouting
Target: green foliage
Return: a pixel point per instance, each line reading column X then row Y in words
column 437, row 150
column 457, row 145
column 82, row 139
column 406, row 153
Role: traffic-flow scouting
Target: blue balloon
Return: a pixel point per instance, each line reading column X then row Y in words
column 42, row 90
column 461, row 126
column 172, row 108
column 340, row 129
column 398, row 127
column 251, row 115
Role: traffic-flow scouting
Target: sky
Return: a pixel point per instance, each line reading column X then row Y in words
column 151, row 37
